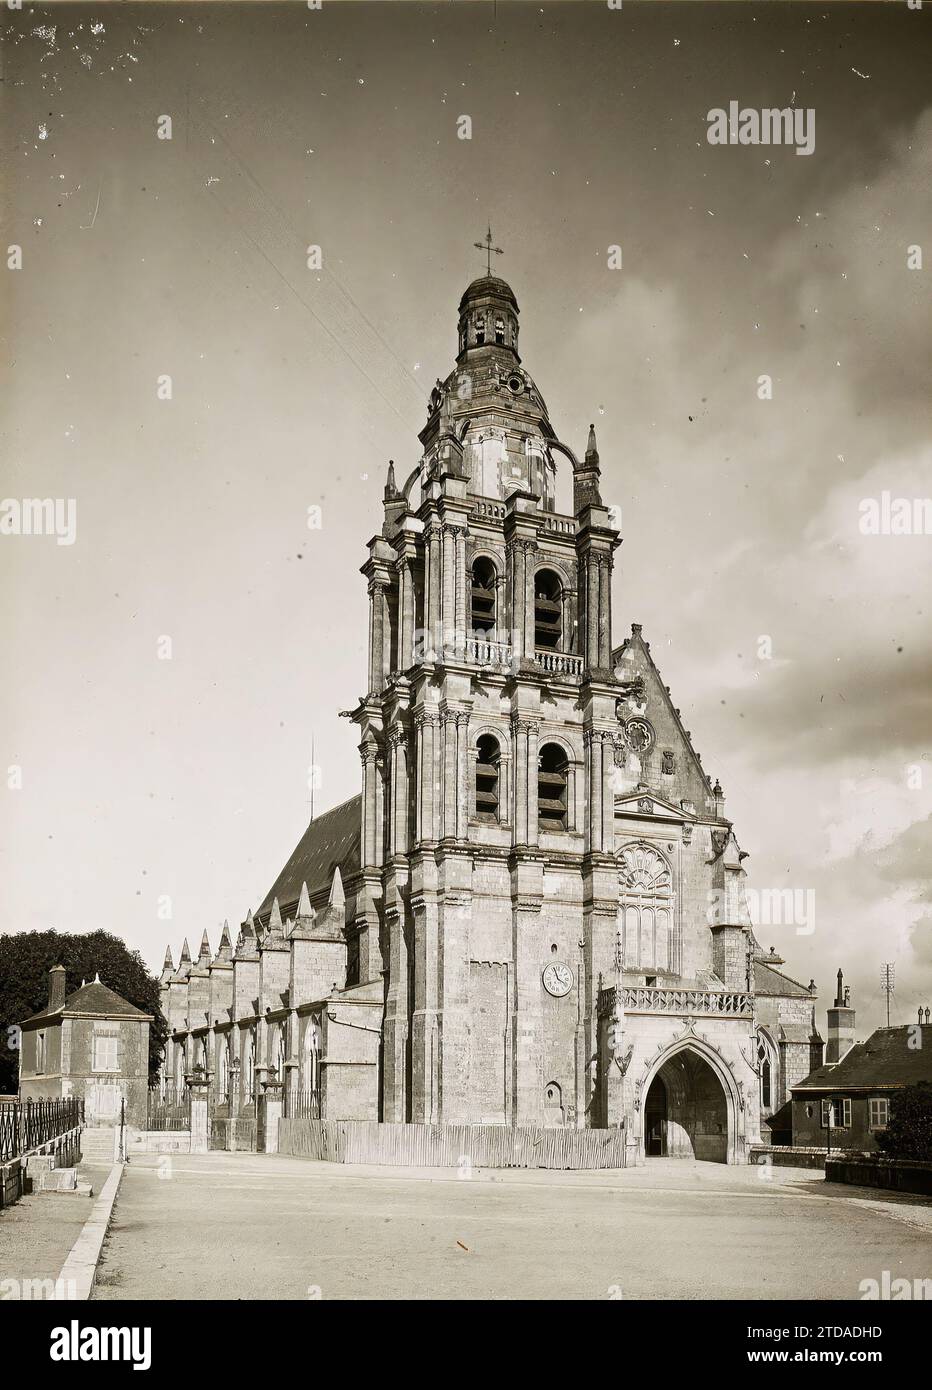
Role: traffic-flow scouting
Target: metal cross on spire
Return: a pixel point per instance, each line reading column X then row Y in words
column 489, row 250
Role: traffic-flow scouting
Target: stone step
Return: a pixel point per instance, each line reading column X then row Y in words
column 98, row 1144
column 56, row 1180
column 39, row 1163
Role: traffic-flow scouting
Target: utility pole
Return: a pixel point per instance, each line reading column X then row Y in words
column 887, row 980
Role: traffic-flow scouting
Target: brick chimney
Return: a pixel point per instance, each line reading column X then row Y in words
column 56, row 987
column 840, row 1024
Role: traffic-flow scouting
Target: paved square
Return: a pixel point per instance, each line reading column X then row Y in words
column 245, row 1226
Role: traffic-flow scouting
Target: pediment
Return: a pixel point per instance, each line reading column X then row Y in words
column 646, row 803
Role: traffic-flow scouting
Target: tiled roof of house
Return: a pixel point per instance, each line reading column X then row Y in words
column 885, row 1059
column 94, row 1000
column 329, row 841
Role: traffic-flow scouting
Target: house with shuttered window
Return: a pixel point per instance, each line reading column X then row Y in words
column 91, row 1043
column 846, row 1104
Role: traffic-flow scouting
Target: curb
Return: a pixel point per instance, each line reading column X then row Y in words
column 81, row 1265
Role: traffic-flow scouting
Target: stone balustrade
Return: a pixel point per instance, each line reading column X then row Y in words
column 646, row 999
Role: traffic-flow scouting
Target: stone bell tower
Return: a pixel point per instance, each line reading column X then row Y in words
column 487, row 738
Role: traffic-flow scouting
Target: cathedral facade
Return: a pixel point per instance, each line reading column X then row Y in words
column 534, row 913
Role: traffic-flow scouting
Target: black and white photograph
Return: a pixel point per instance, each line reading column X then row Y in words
column 466, row 561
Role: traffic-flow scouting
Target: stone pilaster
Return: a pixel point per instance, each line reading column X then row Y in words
column 527, row 877
column 425, row 1029
column 455, row 883
column 395, row 1027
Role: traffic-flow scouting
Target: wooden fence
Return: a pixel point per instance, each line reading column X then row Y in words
column 452, row 1146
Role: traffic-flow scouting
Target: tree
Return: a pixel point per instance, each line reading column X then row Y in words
column 27, row 957
column 909, row 1129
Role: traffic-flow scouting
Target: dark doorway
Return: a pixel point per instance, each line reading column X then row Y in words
column 655, row 1120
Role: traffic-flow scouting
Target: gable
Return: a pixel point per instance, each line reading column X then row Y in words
column 668, row 767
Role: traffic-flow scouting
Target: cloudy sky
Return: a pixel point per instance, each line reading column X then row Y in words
column 185, row 779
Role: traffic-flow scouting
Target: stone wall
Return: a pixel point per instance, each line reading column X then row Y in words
column 64, row 1149
column 895, row 1174
column 783, row 1156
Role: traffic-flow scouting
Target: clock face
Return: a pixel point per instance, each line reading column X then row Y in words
column 558, row 979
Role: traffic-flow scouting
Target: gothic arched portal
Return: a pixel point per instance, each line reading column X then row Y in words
column 689, row 1112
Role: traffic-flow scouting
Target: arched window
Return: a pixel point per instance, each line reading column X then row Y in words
column 480, row 329
column 646, row 905
column 249, row 1067
column 488, row 762
column 548, row 610
column 766, row 1061
column 552, row 778
column 223, row 1069
column 483, row 595
column 310, row 1067
column 500, row 332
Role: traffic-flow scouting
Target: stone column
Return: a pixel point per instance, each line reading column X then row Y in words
column 605, row 612
column 419, row 776
column 592, row 611
column 427, row 724
column 370, row 774
column 462, row 589
column 519, row 601
column 406, row 612
column 388, row 656
column 432, row 585
column 608, row 795
column 528, row 548
column 378, row 630
column 506, row 813
column 462, row 766
column 592, row 739
column 448, row 615
column 533, row 753
column 520, row 733
column 270, row 1101
column 200, row 1117
column 400, row 798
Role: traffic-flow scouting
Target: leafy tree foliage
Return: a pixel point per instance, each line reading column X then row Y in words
column 909, row 1129
column 27, row 957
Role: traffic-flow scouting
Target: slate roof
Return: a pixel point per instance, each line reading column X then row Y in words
column 331, row 839
column 885, row 1060
column 95, row 1000
column 770, row 981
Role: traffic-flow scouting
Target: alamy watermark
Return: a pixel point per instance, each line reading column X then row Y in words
column 768, row 126
column 768, row 907
column 40, row 516
column 886, row 1288
column 895, row 516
